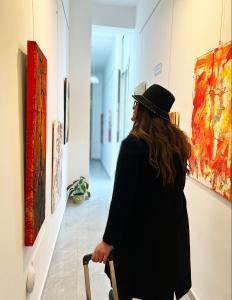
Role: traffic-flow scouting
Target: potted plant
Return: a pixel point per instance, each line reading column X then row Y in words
column 78, row 190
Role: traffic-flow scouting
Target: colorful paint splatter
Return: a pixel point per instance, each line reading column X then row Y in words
column 36, row 112
column 210, row 161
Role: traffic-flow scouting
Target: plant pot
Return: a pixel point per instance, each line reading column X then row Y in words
column 86, row 197
column 78, row 198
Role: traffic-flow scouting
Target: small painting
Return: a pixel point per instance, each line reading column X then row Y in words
column 210, row 161
column 102, row 128
column 175, row 118
column 35, row 169
column 140, row 88
column 57, row 153
column 110, row 126
column 66, row 109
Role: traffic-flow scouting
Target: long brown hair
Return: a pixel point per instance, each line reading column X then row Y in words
column 164, row 140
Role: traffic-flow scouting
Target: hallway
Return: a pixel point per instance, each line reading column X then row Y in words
column 55, row 119
column 81, row 229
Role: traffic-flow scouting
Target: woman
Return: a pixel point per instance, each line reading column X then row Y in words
column 148, row 222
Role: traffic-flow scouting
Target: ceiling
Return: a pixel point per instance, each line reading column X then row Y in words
column 101, row 49
column 117, row 2
column 103, row 39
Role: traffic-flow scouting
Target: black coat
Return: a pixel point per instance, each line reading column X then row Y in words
column 148, row 227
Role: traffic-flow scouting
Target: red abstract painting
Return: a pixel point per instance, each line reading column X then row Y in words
column 36, row 112
column 210, row 161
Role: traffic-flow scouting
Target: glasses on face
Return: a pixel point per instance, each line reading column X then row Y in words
column 135, row 103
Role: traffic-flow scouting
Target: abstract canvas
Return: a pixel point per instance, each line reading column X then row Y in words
column 66, row 109
column 36, row 111
column 57, row 157
column 210, row 161
column 140, row 88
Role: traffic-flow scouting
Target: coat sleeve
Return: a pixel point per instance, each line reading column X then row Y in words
column 126, row 181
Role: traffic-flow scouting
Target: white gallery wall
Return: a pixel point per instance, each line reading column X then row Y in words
column 174, row 33
column 131, row 61
column 46, row 22
column 110, row 98
column 80, row 58
column 196, row 30
column 120, row 21
column 96, row 111
column 107, row 93
column 108, row 15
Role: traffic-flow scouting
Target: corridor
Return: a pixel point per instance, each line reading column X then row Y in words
column 69, row 74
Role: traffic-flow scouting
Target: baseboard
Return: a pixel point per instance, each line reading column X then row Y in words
column 107, row 173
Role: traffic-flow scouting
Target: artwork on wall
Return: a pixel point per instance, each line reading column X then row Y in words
column 110, row 126
column 57, row 157
column 36, row 111
column 175, row 118
column 210, row 161
column 118, row 105
column 66, row 109
column 102, row 128
column 140, row 88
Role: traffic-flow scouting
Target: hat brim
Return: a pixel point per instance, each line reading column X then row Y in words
column 151, row 107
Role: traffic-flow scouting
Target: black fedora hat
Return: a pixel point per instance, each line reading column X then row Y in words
column 158, row 100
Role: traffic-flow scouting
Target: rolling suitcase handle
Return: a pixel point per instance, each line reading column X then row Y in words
column 86, row 260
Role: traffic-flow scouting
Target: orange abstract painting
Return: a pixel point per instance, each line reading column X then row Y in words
column 210, row 160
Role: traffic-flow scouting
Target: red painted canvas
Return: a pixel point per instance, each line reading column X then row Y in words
column 36, row 112
column 210, row 161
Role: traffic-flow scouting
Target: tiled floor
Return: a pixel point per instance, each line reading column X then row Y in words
column 81, row 230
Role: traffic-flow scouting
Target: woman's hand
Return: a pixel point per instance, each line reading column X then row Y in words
column 101, row 252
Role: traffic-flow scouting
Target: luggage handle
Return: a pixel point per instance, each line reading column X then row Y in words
column 86, row 260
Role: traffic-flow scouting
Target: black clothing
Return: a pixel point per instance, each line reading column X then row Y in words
column 148, row 227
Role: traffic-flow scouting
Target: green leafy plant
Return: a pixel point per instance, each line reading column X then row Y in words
column 78, row 190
